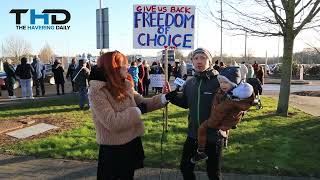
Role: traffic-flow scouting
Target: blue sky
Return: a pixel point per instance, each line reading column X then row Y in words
column 82, row 35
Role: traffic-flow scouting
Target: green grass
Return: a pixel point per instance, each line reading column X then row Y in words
column 263, row 142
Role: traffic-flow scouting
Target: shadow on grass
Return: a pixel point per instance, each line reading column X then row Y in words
column 270, row 147
column 289, row 149
column 40, row 107
column 39, row 112
column 267, row 115
column 183, row 114
column 59, row 101
column 171, row 116
column 79, row 149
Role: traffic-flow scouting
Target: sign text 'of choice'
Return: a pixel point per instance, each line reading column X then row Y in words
column 156, row 26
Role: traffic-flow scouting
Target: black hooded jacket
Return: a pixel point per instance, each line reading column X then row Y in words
column 97, row 74
column 24, row 70
column 197, row 96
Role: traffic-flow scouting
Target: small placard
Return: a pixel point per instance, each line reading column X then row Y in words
column 157, row 80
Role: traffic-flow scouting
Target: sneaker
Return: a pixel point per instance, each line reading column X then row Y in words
column 13, row 97
column 198, row 157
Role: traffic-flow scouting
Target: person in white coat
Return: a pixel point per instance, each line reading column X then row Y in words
column 243, row 71
column 234, row 64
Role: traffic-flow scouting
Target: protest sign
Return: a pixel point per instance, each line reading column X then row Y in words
column 157, row 80
column 156, row 26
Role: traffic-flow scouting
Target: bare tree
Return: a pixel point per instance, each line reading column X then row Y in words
column 15, row 47
column 271, row 18
column 46, row 53
column 250, row 55
column 316, row 34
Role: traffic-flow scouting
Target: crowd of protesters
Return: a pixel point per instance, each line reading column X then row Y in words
column 34, row 74
column 118, row 94
column 139, row 70
column 247, row 70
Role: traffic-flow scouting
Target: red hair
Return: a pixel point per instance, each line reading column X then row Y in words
column 111, row 62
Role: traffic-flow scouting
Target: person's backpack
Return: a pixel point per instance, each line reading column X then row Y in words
column 257, row 88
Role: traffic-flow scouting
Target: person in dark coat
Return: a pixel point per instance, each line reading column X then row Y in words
column 39, row 75
column 255, row 67
column 141, row 76
column 197, row 96
column 216, row 66
column 222, row 66
column 71, row 69
column 146, row 78
column 169, row 71
column 260, row 74
column 58, row 70
column 25, row 71
column 11, row 77
column 177, row 70
column 80, row 78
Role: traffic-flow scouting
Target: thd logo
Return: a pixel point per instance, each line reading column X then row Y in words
column 55, row 23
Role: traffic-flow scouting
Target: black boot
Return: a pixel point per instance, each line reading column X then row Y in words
column 201, row 155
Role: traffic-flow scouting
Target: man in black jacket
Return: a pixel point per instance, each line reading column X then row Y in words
column 39, row 75
column 71, row 70
column 197, row 96
column 10, row 79
column 80, row 79
column 25, row 72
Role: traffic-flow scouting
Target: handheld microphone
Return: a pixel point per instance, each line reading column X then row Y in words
column 179, row 83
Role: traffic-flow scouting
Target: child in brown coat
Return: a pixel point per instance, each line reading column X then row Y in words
column 229, row 104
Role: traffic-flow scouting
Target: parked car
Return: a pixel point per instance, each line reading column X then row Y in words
column 190, row 69
column 48, row 78
column 3, row 77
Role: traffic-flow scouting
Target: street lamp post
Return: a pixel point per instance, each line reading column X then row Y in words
column 100, row 27
column 221, row 31
column 245, row 46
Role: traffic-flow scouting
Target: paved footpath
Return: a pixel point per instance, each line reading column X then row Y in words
column 24, row 168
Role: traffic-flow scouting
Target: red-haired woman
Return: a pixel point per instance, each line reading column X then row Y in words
column 116, row 110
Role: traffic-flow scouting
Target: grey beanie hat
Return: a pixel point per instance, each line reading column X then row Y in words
column 204, row 51
column 231, row 75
